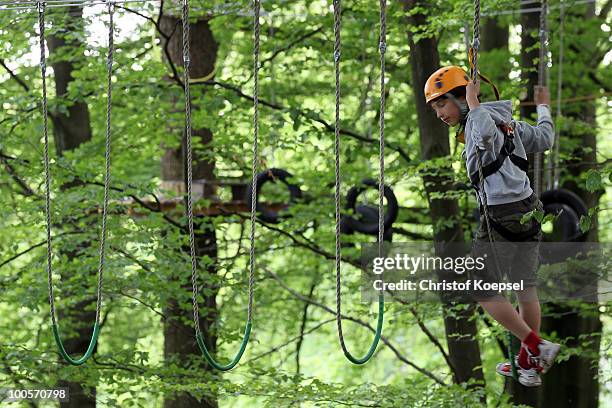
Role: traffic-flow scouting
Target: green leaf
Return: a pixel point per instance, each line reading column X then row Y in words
column 538, row 215
column 593, row 180
column 585, row 223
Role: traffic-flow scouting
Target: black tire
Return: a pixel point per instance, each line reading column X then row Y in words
column 567, row 225
column 272, row 175
column 571, row 207
column 364, row 223
column 369, row 215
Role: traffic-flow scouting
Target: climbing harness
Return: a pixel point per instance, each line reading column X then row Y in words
column 506, row 152
column 194, row 267
column 43, row 68
column 483, row 195
column 381, row 227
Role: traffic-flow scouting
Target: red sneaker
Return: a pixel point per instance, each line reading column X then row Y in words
column 548, row 352
column 527, row 377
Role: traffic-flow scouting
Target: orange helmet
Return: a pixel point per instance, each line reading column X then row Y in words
column 444, row 80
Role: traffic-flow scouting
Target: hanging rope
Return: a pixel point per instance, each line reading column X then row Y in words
column 483, row 194
column 381, row 301
column 553, row 164
column 543, row 60
column 381, row 125
column 471, row 53
column 103, row 233
column 194, row 267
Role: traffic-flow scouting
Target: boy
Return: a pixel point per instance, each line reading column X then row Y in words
column 487, row 129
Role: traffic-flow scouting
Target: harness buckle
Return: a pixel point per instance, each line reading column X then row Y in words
column 508, row 146
column 507, row 129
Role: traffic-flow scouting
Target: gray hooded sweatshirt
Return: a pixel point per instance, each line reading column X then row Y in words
column 510, row 183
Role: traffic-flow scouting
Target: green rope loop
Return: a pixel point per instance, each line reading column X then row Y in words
column 211, row 360
column 88, row 353
column 379, row 326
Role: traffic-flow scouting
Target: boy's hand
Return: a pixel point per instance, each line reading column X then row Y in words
column 541, row 95
column 471, row 94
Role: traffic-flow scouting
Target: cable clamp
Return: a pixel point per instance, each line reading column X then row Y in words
column 337, row 55
column 382, row 47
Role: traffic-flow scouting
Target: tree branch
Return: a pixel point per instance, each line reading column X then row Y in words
column 298, row 346
column 409, row 234
column 287, row 47
column 430, row 336
column 14, row 257
column 290, row 341
column 360, row 322
column 27, row 191
column 605, row 10
column 141, row 202
column 14, row 76
column 308, row 115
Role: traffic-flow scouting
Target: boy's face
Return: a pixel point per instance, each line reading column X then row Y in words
column 446, row 111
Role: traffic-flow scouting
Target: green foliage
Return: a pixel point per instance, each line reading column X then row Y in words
column 593, row 180
column 146, row 265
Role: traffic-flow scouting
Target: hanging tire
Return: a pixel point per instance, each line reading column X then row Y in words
column 273, row 175
column 366, row 217
column 569, row 207
column 367, row 214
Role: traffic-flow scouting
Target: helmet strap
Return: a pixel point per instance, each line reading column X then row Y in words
column 463, row 112
column 463, row 106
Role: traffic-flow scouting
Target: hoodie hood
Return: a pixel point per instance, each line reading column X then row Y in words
column 500, row 111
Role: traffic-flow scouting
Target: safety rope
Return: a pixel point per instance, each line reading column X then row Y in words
column 226, row 8
column 382, row 50
column 553, row 164
column 103, row 233
column 485, row 79
column 28, row 5
column 543, row 60
column 483, row 196
column 194, row 267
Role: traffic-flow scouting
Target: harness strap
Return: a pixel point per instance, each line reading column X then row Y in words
column 519, row 162
column 505, row 152
column 515, row 236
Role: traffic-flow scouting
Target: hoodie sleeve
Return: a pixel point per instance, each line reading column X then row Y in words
column 540, row 137
column 483, row 128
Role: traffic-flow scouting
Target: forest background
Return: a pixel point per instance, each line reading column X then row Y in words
column 430, row 355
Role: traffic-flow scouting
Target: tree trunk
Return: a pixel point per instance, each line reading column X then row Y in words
column 574, row 383
column 463, row 348
column 179, row 337
column 495, row 36
column 70, row 130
